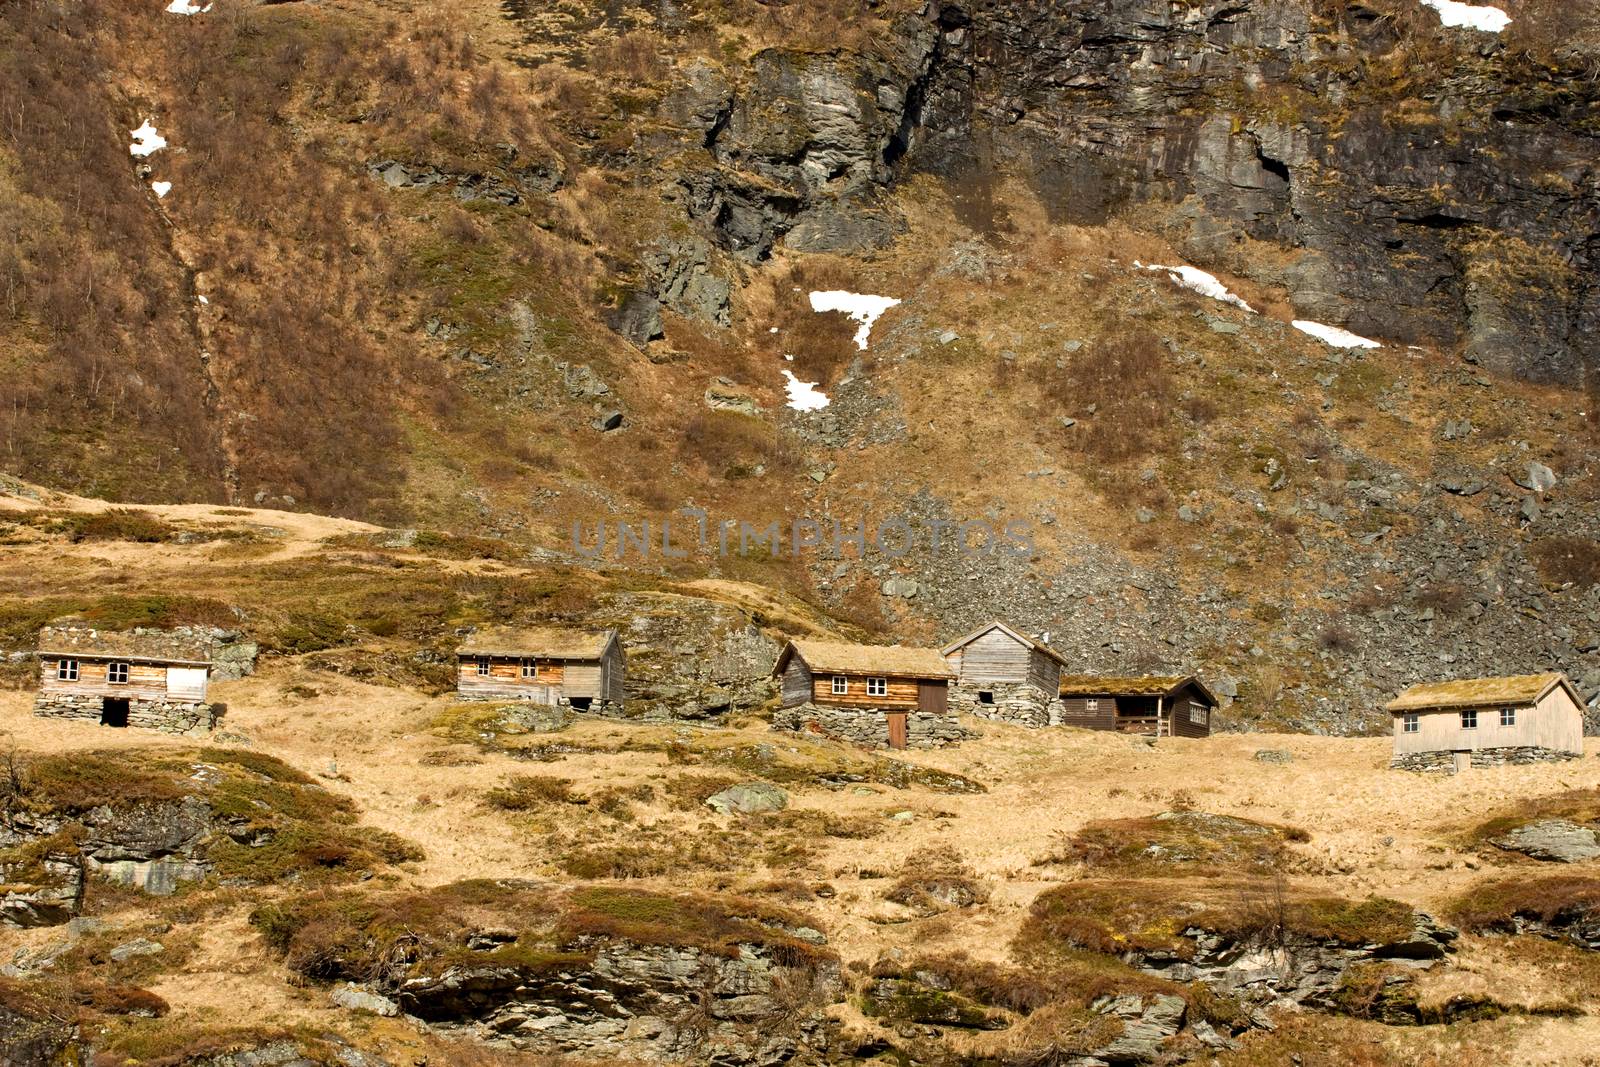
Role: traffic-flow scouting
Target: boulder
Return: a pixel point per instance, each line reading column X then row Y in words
column 352, row 997
column 1555, row 840
column 139, row 946
column 751, row 798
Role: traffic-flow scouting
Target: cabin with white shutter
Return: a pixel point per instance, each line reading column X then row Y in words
column 150, row 678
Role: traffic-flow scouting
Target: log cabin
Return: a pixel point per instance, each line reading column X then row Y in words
column 1004, row 675
column 874, row 695
column 1157, row 705
column 1450, row 726
column 155, row 679
column 581, row 669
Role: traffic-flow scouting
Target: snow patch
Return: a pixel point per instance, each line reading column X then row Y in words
column 161, row 189
column 859, row 306
column 1198, row 281
column 1470, row 16
column 803, row 396
column 1334, row 336
column 146, row 141
column 186, row 7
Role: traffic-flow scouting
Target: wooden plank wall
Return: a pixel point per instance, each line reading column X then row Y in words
column 505, row 679
column 1075, row 712
column 995, row 657
column 1044, row 672
column 146, row 681
column 614, row 670
column 1178, row 706
column 796, row 683
column 902, row 692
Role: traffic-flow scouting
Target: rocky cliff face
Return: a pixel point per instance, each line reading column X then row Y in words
column 1430, row 184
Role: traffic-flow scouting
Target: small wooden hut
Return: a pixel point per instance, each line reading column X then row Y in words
column 876, row 695
column 1158, row 705
column 156, row 679
column 1004, row 675
column 582, row 669
column 1450, row 726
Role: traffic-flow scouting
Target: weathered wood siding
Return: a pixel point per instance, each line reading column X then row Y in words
column 146, row 681
column 796, row 683
column 1044, row 672
column 505, row 679
column 1179, row 708
column 614, row 673
column 995, row 657
column 933, row 696
column 902, row 692
column 1554, row 723
column 1075, row 711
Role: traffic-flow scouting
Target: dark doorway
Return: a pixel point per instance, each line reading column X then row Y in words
column 985, row 697
column 114, row 711
column 581, row 703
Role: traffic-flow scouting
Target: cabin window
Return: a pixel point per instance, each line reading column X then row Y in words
column 1197, row 713
column 841, row 685
column 1508, row 716
column 483, row 668
column 1469, row 720
column 117, row 673
column 67, row 670
column 1091, row 705
column 877, row 687
column 530, row 669
column 1411, row 722
column 985, row 697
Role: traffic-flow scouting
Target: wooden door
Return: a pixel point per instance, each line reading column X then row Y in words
column 933, row 696
column 897, row 729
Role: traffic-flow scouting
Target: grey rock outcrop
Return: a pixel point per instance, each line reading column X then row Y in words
column 1556, row 840
column 750, row 798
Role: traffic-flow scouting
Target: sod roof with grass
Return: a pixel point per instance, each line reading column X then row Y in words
column 1519, row 689
column 845, row 658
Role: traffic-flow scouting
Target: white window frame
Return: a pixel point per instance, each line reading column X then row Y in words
column 1411, row 723
column 877, row 687
column 66, row 670
column 840, row 685
column 1091, row 704
column 530, row 668
column 1469, row 719
column 114, row 668
column 1197, row 713
column 483, row 666
column 1508, row 716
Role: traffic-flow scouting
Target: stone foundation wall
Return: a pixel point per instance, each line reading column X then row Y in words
column 1013, row 702
column 171, row 716
column 1445, row 762
column 869, row 727
column 604, row 709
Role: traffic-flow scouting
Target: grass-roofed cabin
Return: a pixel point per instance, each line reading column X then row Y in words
column 874, row 695
column 582, row 669
column 157, row 679
column 1004, row 675
column 1449, row 726
column 1158, row 705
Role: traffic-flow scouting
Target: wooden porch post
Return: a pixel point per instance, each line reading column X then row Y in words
column 1160, row 702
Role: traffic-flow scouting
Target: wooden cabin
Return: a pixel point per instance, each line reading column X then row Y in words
column 1158, row 705
column 1004, row 675
column 874, row 695
column 156, row 679
column 582, row 669
column 1450, row 726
